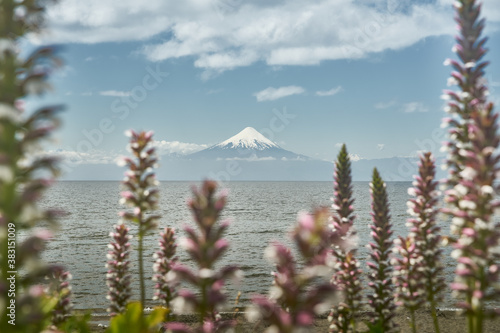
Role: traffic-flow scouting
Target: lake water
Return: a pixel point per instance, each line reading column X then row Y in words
column 260, row 212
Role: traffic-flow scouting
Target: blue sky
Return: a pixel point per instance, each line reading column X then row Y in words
column 309, row 75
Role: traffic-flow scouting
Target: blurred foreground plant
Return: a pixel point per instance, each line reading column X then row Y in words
column 293, row 298
column 473, row 169
column 25, row 173
column 205, row 248
column 59, row 284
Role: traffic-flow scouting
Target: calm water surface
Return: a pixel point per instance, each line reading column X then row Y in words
column 260, row 212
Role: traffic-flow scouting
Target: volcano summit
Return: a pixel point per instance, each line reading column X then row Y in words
column 248, row 144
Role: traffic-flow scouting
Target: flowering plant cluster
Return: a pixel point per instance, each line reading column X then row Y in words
column 205, row 248
column 473, row 164
column 301, row 287
column 25, row 174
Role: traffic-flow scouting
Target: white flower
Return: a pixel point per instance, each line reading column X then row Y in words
column 458, row 221
column 9, row 112
column 237, row 276
column 206, row 273
column 275, row 292
column 464, row 95
column 455, row 254
column 468, row 173
column 181, row 306
column 6, row 174
column 270, row 253
column 252, row 314
column 467, row 204
column 487, row 189
column 7, row 45
column 460, row 189
column 482, row 225
column 29, row 213
column 121, row 162
column 465, row 241
column 452, row 82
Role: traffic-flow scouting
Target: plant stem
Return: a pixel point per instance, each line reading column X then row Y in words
column 413, row 324
column 141, row 270
column 434, row 316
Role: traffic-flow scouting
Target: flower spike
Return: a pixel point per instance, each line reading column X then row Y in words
column 347, row 275
column 165, row 259
column 205, row 248
column 140, row 193
column 473, row 169
column 381, row 300
column 425, row 234
column 118, row 276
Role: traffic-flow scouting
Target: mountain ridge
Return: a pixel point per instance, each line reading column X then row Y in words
column 248, row 144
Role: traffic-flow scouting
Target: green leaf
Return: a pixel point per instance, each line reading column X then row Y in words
column 78, row 323
column 133, row 320
column 375, row 328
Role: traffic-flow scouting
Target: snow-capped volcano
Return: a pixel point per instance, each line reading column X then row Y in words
column 250, row 145
column 249, row 138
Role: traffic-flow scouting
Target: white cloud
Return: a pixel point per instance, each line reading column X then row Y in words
column 71, row 157
column 355, row 157
column 214, row 91
column 298, row 158
column 115, row 93
column 95, row 156
column 252, row 158
column 271, row 94
column 404, row 107
column 225, row 34
column 385, row 105
column 86, row 93
column 380, row 146
column 415, row 107
column 330, row 92
column 175, row 147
